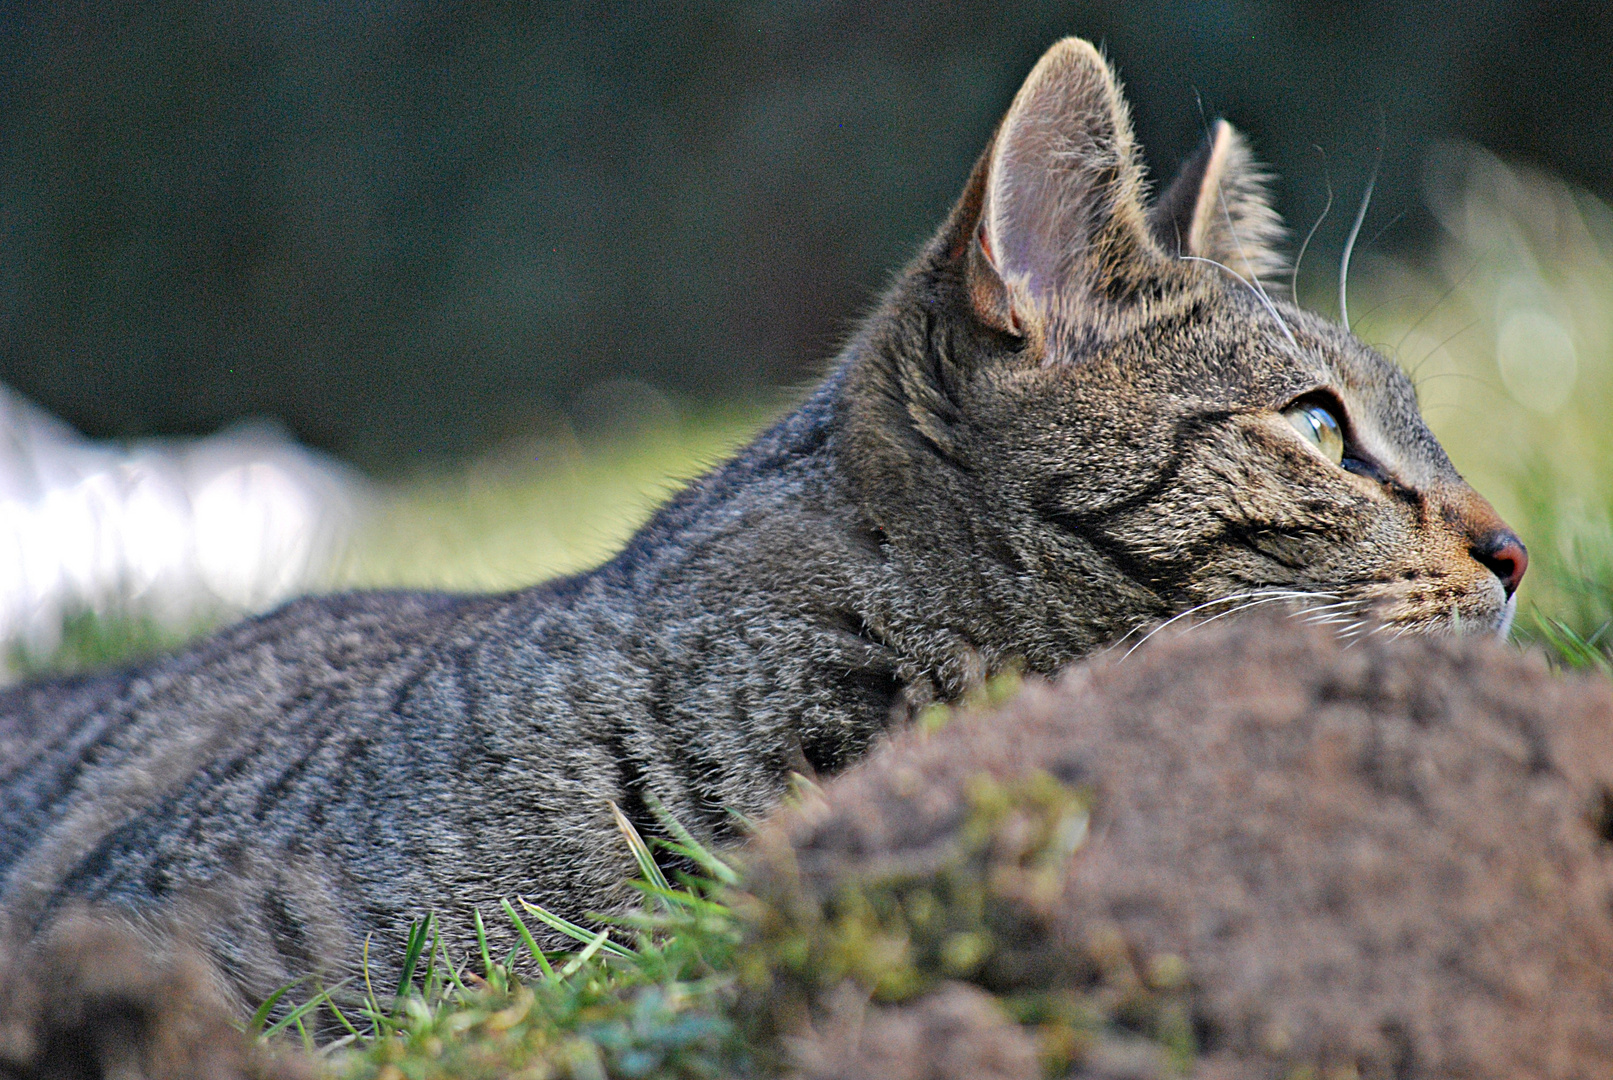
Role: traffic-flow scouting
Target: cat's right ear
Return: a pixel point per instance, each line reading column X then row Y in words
column 1060, row 230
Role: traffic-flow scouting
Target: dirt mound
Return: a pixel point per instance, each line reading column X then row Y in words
column 1245, row 851
column 99, row 998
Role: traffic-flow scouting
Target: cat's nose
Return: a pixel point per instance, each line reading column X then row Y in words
column 1490, row 541
column 1505, row 555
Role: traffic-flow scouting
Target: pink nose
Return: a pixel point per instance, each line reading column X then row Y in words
column 1505, row 555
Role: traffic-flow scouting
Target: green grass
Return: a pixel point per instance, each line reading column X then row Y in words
column 649, row 994
column 91, row 640
column 553, row 506
column 706, row 979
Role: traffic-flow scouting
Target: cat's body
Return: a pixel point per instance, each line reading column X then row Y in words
column 355, row 760
column 1050, row 434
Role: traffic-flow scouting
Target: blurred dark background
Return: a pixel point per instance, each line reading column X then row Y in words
column 409, row 230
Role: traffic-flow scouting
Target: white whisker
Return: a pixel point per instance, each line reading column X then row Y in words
column 1260, row 288
column 1341, row 605
column 1241, row 602
column 1328, row 620
column 1260, row 294
column 1349, row 244
column 1293, row 278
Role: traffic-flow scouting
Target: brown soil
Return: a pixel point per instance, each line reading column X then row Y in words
column 101, row 999
column 1388, row 860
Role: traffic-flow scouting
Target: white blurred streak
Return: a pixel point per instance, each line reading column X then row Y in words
column 179, row 532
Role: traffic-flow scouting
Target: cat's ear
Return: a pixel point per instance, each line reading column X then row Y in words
column 1061, row 228
column 1218, row 208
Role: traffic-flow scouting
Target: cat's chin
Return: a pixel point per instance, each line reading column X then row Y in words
column 1509, row 611
column 1497, row 621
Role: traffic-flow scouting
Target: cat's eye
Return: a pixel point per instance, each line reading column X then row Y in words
column 1320, row 427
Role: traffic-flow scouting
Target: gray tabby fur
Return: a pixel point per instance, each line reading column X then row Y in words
column 1051, row 433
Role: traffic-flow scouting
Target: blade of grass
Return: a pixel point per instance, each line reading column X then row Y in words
column 684, row 899
column 429, row 979
column 641, row 851
column 254, row 1026
column 481, row 942
column 526, row 936
column 335, row 1046
column 688, row 846
column 447, row 964
column 374, row 1007
column 599, row 941
column 411, row 957
column 572, row 930
column 1573, row 649
column 295, row 1015
column 713, row 870
column 341, row 1018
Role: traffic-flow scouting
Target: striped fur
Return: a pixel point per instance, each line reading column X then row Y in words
column 1053, row 432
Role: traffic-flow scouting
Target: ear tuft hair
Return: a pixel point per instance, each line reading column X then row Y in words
column 1219, row 208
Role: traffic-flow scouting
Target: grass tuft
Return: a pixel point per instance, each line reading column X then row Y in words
column 706, row 980
column 648, row 994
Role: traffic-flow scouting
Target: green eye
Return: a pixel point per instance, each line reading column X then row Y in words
column 1320, row 427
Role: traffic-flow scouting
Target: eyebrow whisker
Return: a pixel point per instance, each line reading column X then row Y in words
column 1260, row 294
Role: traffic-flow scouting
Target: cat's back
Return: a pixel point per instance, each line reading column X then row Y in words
column 82, row 757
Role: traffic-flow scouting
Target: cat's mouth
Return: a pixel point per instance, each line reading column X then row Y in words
column 1398, row 616
column 1509, row 611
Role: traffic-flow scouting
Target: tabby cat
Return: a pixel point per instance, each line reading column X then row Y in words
column 1076, row 414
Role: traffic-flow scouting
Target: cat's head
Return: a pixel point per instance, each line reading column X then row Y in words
column 1102, row 411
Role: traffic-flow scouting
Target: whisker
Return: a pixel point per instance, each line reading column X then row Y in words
column 1358, row 632
column 1349, row 244
column 1293, row 278
column 1228, row 599
column 1470, row 325
column 1226, row 212
column 1343, row 613
column 1243, row 602
column 1260, row 289
column 1253, row 604
column 1182, row 615
column 1246, row 606
column 1232, row 230
column 1379, row 234
column 1259, row 294
column 1343, row 606
column 1339, row 618
column 1468, row 375
column 1371, row 311
column 1444, row 296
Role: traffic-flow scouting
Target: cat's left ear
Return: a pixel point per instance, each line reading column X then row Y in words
column 1218, row 208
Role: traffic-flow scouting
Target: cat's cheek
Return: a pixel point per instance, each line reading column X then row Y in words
column 1275, row 452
